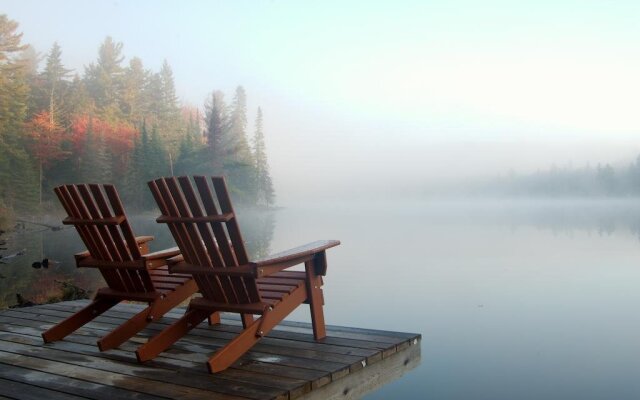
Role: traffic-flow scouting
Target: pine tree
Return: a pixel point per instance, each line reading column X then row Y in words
column 170, row 124
column 189, row 160
column 215, row 118
column 104, row 80
column 18, row 181
column 96, row 166
column 134, row 104
column 239, row 162
column 170, row 110
column 263, row 184
column 78, row 100
column 55, row 81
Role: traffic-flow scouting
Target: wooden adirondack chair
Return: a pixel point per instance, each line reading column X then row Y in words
column 205, row 228
column 131, row 272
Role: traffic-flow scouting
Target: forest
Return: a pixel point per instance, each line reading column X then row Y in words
column 115, row 123
column 599, row 181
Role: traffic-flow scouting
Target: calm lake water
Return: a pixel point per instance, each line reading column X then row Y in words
column 515, row 300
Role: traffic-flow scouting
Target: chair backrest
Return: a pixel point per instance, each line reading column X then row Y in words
column 206, row 230
column 99, row 218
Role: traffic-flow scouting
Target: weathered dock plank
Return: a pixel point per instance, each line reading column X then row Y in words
column 287, row 364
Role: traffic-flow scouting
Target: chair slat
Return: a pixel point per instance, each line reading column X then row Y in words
column 188, row 248
column 110, row 277
column 110, row 237
column 218, row 230
column 140, row 278
column 232, row 225
column 176, row 231
column 226, row 284
column 244, row 295
column 184, row 239
column 113, row 278
column 202, row 236
column 129, row 237
column 245, row 290
column 234, row 233
column 163, row 199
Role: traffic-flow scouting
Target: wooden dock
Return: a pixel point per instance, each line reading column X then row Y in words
column 287, row 364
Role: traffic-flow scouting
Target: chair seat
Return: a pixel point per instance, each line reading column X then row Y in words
column 275, row 287
column 164, row 281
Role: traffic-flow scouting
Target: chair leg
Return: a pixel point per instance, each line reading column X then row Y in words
column 214, row 319
column 247, row 319
column 75, row 321
column 240, row 344
column 233, row 350
column 170, row 335
column 123, row 332
column 152, row 313
column 315, row 298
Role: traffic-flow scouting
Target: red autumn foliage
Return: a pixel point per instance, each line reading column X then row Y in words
column 46, row 138
column 118, row 137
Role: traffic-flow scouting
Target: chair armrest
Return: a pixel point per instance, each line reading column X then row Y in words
column 297, row 252
column 265, row 266
column 81, row 255
column 178, row 258
column 159, row 258
column 285, row 259
column 162, row 254
column 143, row 239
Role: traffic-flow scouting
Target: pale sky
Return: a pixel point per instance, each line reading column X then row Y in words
column 414, row 92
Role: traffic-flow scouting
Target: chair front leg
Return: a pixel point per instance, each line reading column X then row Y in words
column 171, row 334
column 75, row 321
column 214, row 319
column 315, row 299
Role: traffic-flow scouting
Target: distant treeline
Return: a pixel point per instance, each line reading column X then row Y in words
column 588, row 181
column 114, row 123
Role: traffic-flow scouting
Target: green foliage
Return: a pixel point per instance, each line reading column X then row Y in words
column 104, row 80
column 57, row 128
column 18, row 182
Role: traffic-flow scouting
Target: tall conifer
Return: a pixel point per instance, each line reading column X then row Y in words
column 264, row 186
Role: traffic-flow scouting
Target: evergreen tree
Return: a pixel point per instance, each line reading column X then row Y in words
column 96, row 166
column 263, row 184
column 55, row 78
column 134, row 104
column 239, row 162
column 215, row 119
column 78, row 100
column 135, row 179
column 189, row 160
column 170, row 110
column 104, row 80
column 169, row 123
column 157, row 164
column 18, row 180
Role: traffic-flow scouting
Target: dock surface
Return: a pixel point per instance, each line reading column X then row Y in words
column 286, row 364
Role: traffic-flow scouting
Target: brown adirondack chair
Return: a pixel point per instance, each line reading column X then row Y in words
column 130, row 271
column 206, row 230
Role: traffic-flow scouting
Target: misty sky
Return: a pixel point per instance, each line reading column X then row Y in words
column 358, row 94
